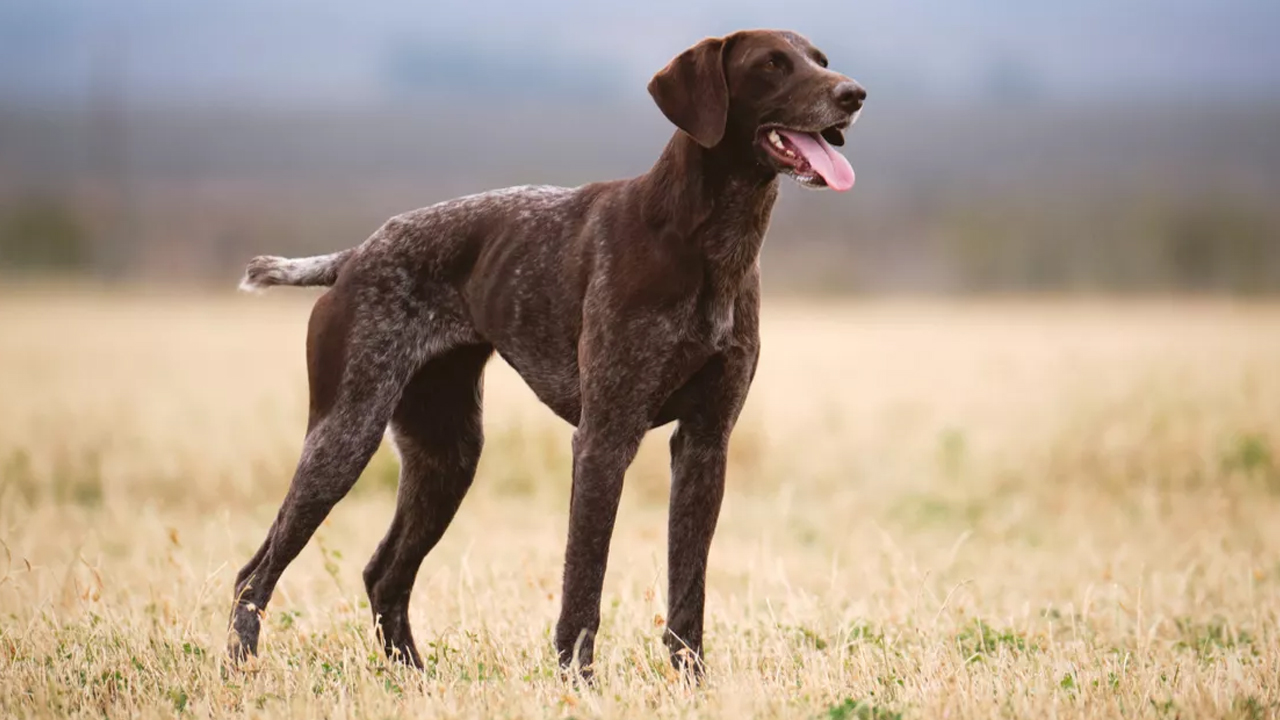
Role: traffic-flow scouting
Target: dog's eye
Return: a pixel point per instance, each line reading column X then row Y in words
column 775, row 62
column 821, row 60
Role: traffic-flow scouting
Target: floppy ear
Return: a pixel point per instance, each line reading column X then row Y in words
column 693, row 93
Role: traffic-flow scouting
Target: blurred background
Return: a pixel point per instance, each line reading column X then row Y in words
column 1084, row 147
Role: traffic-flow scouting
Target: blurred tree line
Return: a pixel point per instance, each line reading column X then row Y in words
column 986, row 202
column 44, row 235
column 1209, row 245
column 1212, row 245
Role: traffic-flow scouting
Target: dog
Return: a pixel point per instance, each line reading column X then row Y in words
column 624, row 305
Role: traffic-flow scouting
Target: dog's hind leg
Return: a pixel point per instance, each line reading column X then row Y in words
column 359, row 360
column 438, row 432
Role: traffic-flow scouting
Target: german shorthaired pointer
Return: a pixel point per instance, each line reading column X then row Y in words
column 624, row 305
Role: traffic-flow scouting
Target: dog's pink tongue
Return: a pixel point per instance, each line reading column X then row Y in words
column 824, row 159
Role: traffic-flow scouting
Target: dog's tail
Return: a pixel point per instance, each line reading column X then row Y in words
column 265, row 271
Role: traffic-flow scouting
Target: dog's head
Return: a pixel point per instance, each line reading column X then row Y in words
column 768, row 93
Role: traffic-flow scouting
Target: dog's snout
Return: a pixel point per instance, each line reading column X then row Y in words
column 849, row 96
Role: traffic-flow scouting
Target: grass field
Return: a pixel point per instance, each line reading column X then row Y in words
column 935, row 510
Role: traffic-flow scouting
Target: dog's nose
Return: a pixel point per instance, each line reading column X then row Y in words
column 849, row 96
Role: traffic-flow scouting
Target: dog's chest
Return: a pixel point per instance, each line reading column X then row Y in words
column 717, row 318
column 733, row 271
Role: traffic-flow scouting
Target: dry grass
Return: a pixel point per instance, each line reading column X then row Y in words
column 1018, row 510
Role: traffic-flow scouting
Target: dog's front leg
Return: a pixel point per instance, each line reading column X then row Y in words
column 600, row 458
column 619, row 397
column 697, row 488
column 699, row 453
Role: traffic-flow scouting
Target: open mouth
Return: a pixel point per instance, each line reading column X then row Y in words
column 808, row 156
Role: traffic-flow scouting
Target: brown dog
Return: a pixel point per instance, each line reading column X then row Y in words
column 624, row 305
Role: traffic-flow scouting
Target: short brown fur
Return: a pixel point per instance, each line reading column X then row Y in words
column 624, row 305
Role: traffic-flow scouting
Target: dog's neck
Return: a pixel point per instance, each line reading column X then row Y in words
column 690, row 185
column 719, row 199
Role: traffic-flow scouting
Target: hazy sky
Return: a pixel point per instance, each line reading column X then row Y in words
column 288, row 50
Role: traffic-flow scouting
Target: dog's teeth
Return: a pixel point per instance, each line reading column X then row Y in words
column 773, row 137
column 789, row 153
